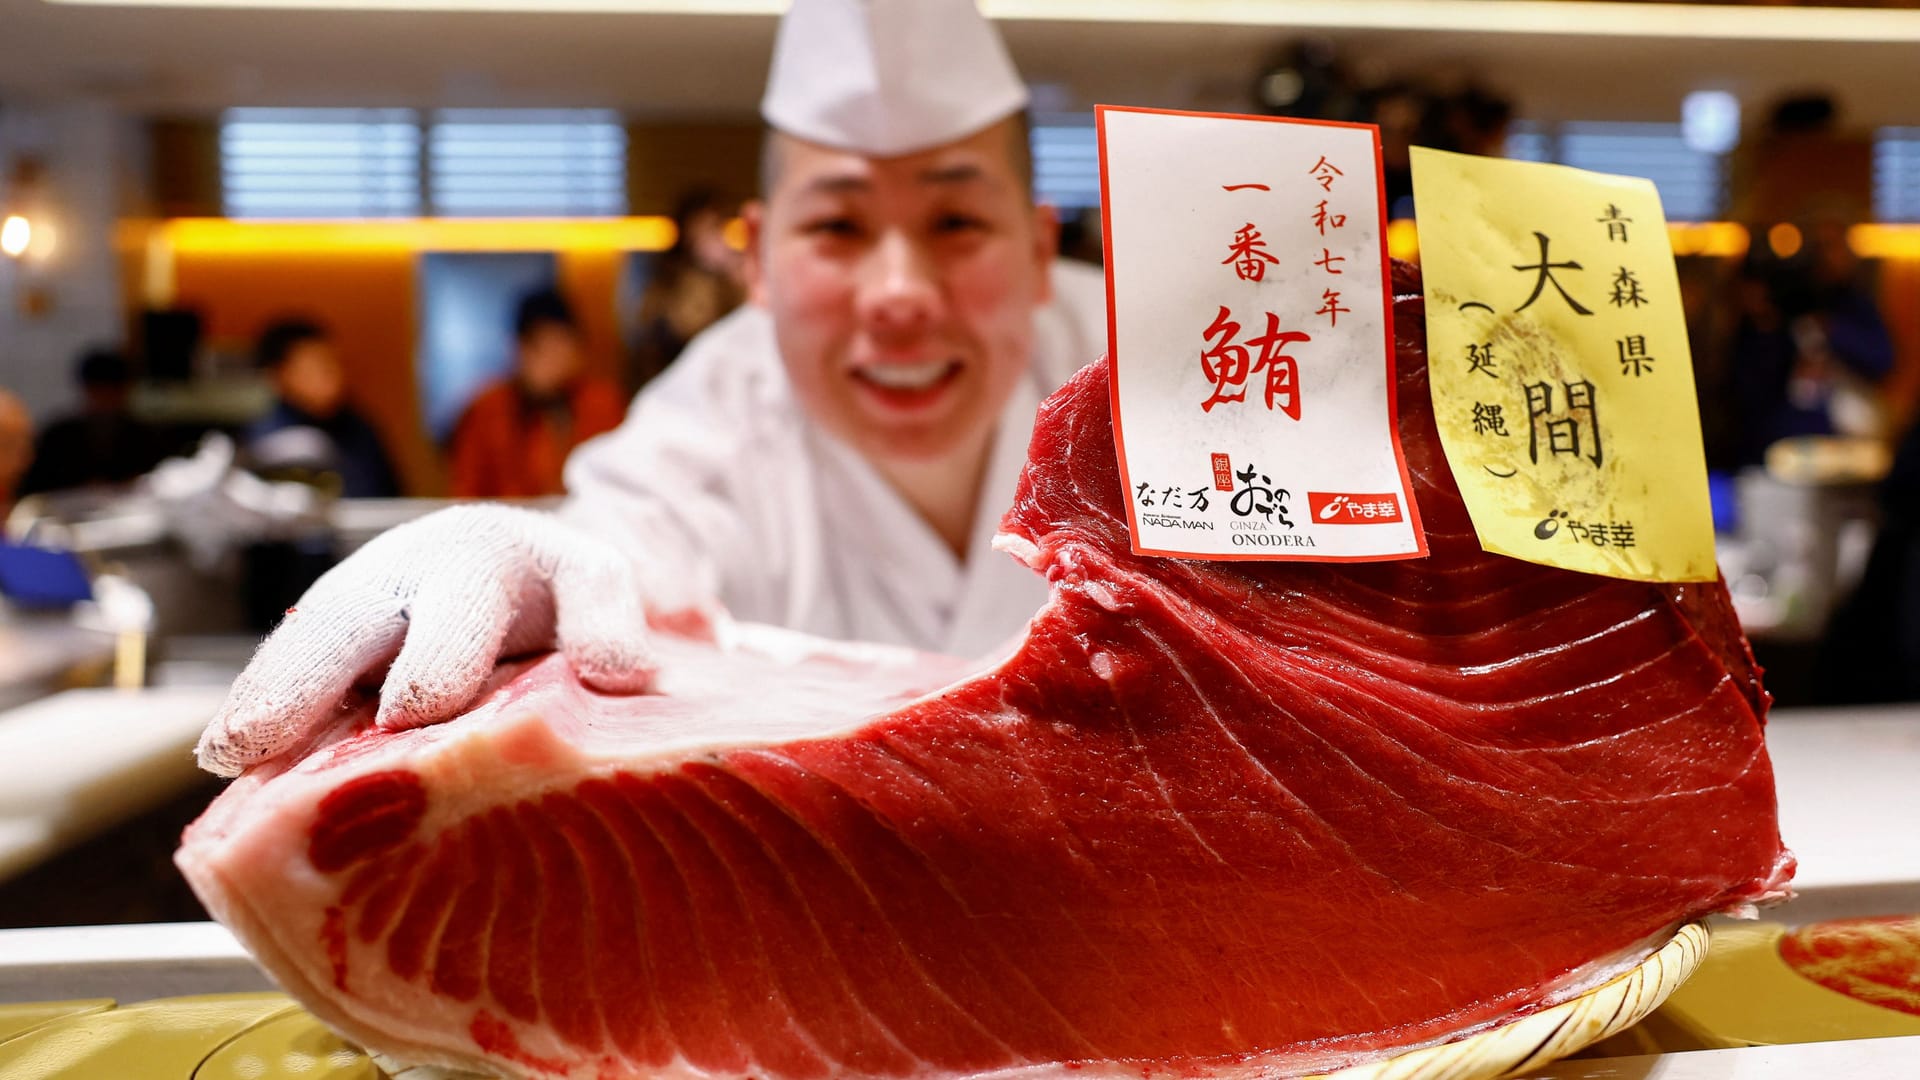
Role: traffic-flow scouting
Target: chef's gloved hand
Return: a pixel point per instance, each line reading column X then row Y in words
column 443, row 598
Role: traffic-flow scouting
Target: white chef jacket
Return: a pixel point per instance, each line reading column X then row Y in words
column 720, row 486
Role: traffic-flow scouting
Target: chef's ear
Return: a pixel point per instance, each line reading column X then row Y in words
column 1046, row 245
column 753, row 215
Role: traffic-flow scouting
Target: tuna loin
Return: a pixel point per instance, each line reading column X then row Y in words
column 1226, row 818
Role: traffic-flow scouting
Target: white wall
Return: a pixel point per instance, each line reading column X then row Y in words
column 92, row 159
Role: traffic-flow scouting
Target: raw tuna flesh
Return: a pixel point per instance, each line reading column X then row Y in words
column 1224, row 818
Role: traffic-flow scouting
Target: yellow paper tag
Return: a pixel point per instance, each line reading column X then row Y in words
column 1562, row 379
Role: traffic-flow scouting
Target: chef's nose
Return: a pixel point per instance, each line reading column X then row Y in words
column 899, row 291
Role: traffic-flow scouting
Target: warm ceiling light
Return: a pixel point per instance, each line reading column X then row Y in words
column 1882, row 241
column 1719, row 238
column 1784, row 239
column 1403, row 239
column 16, row 233
column 227, row 236
column 1581, row 18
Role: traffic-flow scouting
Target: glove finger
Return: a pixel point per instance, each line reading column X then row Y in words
column 531, row 628
column 458, row 620
column 602, row 623
column 299, row 676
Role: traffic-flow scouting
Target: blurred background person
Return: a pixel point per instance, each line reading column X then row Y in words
column 16, row 448
column 1872, row 650
column 1474, row 121
column 695, row 282
column 102, row 443
column 1400, row 110
column 515, row 437
column 312, row 428
column 1811, row 347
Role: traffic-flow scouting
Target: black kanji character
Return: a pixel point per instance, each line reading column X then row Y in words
column 1626, row 290
column 1616, row 225
column 1634, row 360
column 1481, row 357
column 1563, row 433
column 1546, row 270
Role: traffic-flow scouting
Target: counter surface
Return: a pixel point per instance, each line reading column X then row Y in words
column 1849, row 786
column 81, row 761
column 37, row 650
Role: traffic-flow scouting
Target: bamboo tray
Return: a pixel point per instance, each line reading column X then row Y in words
column 1530, row 1042
column 266, row 1036
column 1516, row 1047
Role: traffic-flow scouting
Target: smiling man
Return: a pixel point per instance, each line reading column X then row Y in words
column 833, row 457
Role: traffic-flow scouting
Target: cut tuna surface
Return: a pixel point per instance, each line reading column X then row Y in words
column 1227, row 819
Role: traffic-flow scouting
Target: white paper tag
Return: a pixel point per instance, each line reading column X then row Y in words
column 1250, row 335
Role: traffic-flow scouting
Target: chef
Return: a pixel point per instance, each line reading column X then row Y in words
column 833, row 457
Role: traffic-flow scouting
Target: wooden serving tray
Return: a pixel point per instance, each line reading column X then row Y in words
column 266, row 1036
column 1538, row 1039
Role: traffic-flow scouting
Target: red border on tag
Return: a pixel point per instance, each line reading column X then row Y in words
column 1113, row 364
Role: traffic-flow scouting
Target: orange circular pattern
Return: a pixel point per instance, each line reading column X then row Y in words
column 1872, row 960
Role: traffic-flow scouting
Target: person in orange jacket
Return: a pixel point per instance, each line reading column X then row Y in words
column 16, row 449
column 516, row 435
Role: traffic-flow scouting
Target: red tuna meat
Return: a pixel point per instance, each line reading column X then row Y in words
column 1224, row 818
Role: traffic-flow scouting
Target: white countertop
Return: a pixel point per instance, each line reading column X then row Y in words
column 80, row 761
column 36, row 649
column 143, row 943
column 126, row 963
column 1849, row 784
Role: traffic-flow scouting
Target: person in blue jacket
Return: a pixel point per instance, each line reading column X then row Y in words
column 1809, row 332
column 311, row 427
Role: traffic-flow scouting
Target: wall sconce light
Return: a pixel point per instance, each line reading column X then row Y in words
column 16, row 235
column 23, row 222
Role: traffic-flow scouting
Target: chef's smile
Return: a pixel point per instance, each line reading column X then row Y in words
column 906, row 386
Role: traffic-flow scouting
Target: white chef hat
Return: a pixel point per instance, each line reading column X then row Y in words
column 888, row 77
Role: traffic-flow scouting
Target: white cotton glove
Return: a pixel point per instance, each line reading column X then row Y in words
column 443, row 597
